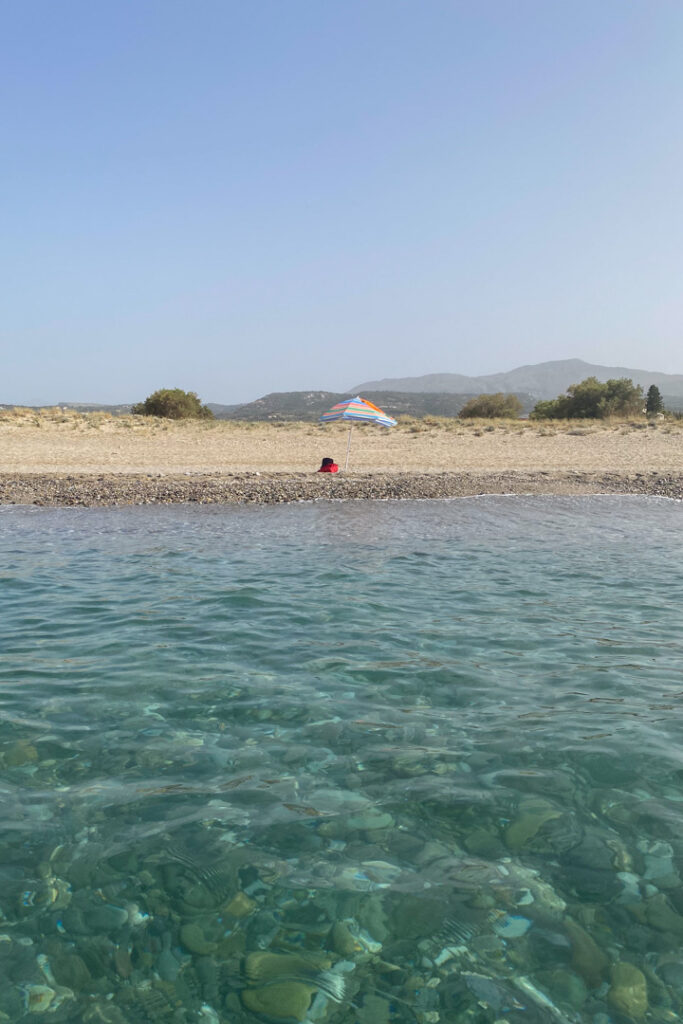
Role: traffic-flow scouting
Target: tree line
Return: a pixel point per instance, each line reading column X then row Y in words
column 590, row 399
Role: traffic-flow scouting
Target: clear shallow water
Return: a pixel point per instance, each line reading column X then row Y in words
column 342, row 762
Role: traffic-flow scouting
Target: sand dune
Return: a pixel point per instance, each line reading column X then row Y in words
column 96, row 443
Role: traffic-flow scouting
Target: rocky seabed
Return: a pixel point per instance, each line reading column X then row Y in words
column 529, row 912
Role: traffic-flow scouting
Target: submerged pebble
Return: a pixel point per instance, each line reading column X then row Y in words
column 628, row 990
column 286, row 1000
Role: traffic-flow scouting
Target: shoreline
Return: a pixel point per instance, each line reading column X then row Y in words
column 121, row 489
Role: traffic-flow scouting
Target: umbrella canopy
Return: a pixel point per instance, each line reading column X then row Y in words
column 357, row 409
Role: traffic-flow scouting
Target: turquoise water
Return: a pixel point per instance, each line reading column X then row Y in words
column 359, row 762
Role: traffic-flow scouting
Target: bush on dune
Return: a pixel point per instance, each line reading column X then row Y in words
column 173, row 404
column 492, row 407
column 592, row 399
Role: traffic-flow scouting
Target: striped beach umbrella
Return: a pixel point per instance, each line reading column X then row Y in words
column 356, row 409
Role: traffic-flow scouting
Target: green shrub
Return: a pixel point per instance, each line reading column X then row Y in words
column 592, row 400
column 173, row 404
column 492, row 407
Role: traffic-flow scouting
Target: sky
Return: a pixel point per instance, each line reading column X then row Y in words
column 242, row 197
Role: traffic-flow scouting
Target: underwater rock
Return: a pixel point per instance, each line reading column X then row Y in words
column 197, row 899
column 240, row 905
column 167, row 965
column 364, row 940
column 588, row 960
column 660, row 915
column 560, row 835
column 334, row 801
column 341, row 940
column 671, row 972
column 123, row 962
column 593, row 886
column 592, row 853
column 432, row 851
column 381, row 871
column 406, row 765
column 96, row 953
column 375, row 1010
column 193, row 938
column 567, row 987
column 17, row 755
column 520, row 878
column 262, row 929
column 317, row 1011
column 104, row 1012
column 151, row 1003
column 483, row 843
column 373, row 917
column 287, row 1000
column 126, row 862
column 616, row 805
column 105, row 918
column 233, row 944
column 417, row 916
column 38, row 998
column 512, row 926
column 354, row 878
column 488, row 991
column 72, row 921
column 533, row 812
column 261, row 968
column 369, row 821
column 659, row 866
column 207, row 1015
column 628, row 990
column 630, row 892
column 309, row 917
column 404, row 846
column 71, row 971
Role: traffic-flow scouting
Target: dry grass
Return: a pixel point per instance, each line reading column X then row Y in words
column 64, row 440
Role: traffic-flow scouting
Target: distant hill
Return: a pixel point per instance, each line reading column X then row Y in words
column 541, row 380
column 284, row 405
column 310, row 405
column 219, row 411
column 115, row 410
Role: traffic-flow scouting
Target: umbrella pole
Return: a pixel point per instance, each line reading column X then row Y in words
column 348, row 449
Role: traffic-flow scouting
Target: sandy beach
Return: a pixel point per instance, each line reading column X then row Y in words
column 62, row 457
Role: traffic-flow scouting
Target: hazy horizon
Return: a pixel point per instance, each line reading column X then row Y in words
column 239, row 199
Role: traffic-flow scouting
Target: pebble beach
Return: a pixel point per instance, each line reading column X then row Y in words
column 275, row 488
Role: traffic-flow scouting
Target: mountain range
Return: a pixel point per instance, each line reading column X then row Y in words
column 542, row 380
column 310, row 405
column 435, row 394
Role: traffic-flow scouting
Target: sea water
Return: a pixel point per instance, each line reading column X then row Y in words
column 349, row 762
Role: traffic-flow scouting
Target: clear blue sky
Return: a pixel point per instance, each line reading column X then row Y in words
column 271, row 195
